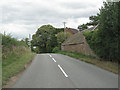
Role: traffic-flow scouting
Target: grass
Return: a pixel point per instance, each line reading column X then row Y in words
column 14, row 62
column 0, row 74
column 107, row 65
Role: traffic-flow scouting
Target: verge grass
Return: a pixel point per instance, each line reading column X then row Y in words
column 107, row 65
column 14, row 61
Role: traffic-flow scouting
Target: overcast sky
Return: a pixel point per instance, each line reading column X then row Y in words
column 23, row 17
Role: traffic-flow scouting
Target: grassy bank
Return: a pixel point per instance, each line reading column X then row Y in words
column 107, row 65
column 15, row 61
column 15, row 55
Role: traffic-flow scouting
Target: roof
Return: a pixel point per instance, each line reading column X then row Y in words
column 92, row 28
column 72, row 30
column 74, row 39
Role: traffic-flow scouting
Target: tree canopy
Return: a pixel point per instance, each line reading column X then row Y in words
column 45, row 38
column 105, row 41
column 82, row 27
column 94, row 20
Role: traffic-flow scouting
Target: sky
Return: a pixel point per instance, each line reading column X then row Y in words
column 23, row 17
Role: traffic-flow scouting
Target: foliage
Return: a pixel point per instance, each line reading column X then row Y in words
column 15, row 54
column 94, row 20
column 27, row 42
column 8, row 41
column 56, row 49
column 82, row 27
column 45, row 38
column 57, row 30
column 93, row 40
column 61, row 37
column 108, row 31
column 105, row 41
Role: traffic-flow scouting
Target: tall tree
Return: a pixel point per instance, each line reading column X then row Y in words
column 94, row 20
column 106, row 41
column 44, row 38
column 108, row 31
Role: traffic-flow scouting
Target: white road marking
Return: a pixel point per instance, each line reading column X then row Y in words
column 50, row 55
column 54, row 60
column 63, row 71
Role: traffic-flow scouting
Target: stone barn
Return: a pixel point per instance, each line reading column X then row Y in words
column 77, row 43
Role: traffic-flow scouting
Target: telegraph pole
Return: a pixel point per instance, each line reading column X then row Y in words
column 64, row 30
column 29, row 36
column 29, row 43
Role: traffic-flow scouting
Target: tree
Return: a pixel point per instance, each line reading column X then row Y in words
column 61, row 38
column 82, row 27
column 27, row 41
column 105, row 42
column 94, row 20
column 109, row 31
column 44, row 38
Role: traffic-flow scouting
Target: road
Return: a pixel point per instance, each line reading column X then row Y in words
column 60, row 71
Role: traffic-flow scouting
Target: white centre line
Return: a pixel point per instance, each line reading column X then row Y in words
column 54, row 60
column 50, row 55
column 63, row 71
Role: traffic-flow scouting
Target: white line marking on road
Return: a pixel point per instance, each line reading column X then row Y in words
column 54, row 60
column 50, row 55
column 63, row 71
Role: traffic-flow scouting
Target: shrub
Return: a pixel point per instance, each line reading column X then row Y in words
column 102, row 46
column 56, row 49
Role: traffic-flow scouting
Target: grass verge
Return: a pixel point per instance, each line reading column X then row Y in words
column 15, row 62
column 107, row 65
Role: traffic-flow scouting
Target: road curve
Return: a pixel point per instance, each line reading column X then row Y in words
column 60, row 71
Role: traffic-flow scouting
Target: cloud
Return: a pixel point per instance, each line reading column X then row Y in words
column 23, row 17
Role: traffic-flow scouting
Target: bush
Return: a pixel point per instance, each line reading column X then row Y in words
column 15, row 54
column 56, row 49
column 8, row 41
column 104, row 48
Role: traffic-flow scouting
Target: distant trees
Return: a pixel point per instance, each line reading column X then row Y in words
column 45, row 38
column 61, row 37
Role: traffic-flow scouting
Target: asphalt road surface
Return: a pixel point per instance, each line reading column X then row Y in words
column 60, row 71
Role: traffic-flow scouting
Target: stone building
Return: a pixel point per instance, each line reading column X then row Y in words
column 77, row 43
